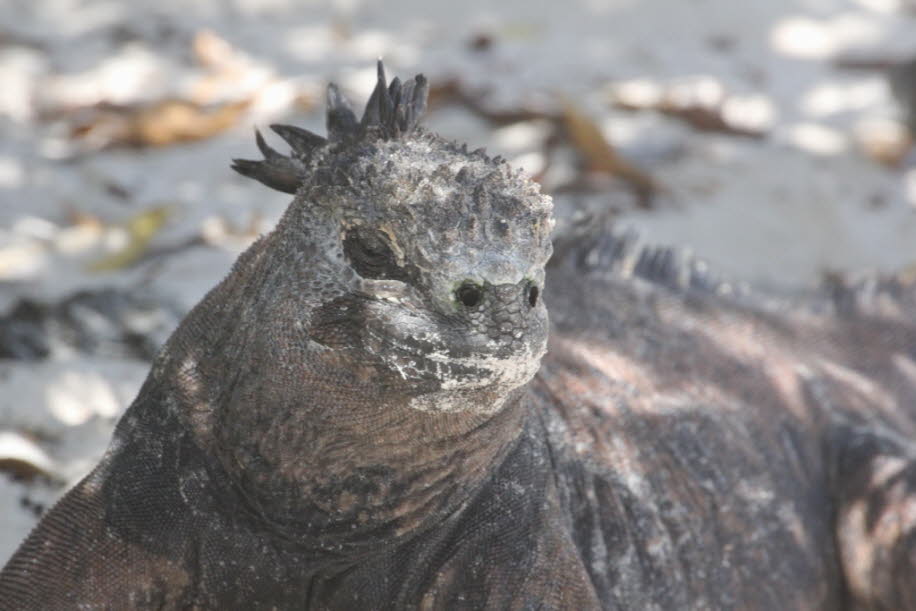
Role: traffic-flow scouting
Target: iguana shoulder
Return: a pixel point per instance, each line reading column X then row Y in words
column 719, row 446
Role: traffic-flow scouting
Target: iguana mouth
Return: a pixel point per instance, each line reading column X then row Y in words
column 418, row 358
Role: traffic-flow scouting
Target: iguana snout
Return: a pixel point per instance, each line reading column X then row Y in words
column 487, row 338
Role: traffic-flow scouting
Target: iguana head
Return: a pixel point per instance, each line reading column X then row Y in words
column 420, row 260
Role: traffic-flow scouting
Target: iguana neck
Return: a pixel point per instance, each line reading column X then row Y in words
column 319, row 443
column 321, row 455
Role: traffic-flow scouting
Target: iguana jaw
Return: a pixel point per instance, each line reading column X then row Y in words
column 451, row 364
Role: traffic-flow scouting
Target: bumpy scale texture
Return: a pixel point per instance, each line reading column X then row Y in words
column 367, row 413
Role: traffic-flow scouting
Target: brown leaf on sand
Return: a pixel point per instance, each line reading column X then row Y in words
column 22, row 458
column 213, row 52
column 451, row 91
column 178, row 121
column 707, row 119
column 863, row 63
column 599, row 155
column 701, row 118
column 888, row 144
column 162, row 124
column 570, row 125
column 700, row 103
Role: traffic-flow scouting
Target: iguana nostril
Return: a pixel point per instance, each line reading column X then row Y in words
column 469, row 294
column 533, row 294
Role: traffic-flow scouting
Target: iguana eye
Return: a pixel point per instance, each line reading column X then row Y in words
column 469, row 294
column 371, row 256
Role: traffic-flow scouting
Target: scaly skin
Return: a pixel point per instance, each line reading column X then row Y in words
column 362, row 415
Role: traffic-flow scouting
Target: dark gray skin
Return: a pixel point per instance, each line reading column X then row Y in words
column 362, row 415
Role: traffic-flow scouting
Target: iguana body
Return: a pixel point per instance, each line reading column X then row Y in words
column 359, row 416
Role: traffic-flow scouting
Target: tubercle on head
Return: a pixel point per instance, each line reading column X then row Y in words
column 393, row 111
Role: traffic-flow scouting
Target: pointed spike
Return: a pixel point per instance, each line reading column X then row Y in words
column 394, row 108
column 406, row 118
column 246, row 167
column 385, row 107
column 265, row 149
column 341, row 120
column 281, row 177
column 398, row 120
column 419, row 96
column 371, row 116
column 380, row 69
column 379, row 108
column 336, row 99
column 394, row 91
column 302, row 141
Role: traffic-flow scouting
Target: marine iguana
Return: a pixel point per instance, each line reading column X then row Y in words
column 367, row 413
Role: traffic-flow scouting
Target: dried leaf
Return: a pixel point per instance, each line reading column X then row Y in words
column 877, row 64
column 600, row 157
column 908, row 275
column 480, row 42
column 9, row 38
column 452, row 92
column 179, row 121
column 162, row 124
column 224, row 65
column 706, row 119
column 699, row 117
column 701, row 103
column 213, row 52
column 887, row 144
column 140, row 231
column 82, row 218
column 23, row 459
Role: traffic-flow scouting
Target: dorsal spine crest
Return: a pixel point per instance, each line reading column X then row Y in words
column 393, row 112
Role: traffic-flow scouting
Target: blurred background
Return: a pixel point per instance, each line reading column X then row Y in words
column 771, row 138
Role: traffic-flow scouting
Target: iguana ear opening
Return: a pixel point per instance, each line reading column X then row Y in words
column 392, row 111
